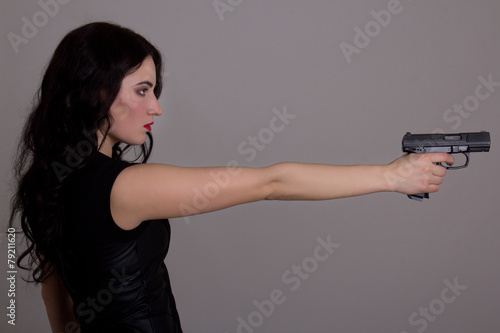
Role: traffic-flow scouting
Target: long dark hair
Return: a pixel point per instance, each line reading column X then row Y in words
column 78, row 88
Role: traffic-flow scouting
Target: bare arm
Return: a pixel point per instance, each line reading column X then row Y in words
column 408, row 174
column 154, row 191
column 59, row 306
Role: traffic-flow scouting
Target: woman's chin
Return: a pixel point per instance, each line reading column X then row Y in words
column 136, row 141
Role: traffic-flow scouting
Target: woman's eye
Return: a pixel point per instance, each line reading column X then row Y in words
column 142, row 92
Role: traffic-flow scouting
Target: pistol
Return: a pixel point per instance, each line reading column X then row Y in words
column 459, row 143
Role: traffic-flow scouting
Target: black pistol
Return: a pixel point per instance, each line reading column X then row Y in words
column 463, row 143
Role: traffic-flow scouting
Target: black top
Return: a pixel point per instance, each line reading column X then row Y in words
column 117, row 278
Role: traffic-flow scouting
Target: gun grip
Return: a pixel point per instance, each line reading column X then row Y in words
column 419, row 196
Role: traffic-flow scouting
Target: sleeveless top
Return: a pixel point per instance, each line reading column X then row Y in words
column 116, row 278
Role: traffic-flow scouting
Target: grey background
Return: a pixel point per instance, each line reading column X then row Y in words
column 224, row 78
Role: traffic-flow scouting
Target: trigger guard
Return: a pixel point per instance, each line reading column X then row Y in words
column 449, row 167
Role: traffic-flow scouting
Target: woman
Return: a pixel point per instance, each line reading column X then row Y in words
column 97, row 226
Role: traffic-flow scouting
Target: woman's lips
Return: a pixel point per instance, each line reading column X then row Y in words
column 148, row 126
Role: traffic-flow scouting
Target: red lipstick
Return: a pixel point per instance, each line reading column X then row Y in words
column 148, row 126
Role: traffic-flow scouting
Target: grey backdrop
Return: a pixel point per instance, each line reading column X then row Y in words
column 356, row 81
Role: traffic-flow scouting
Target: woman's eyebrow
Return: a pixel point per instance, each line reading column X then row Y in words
column 145, row 82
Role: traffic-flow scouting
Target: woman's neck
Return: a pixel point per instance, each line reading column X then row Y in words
column 105, row 147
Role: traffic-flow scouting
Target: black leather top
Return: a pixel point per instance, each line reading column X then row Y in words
column 117, row 278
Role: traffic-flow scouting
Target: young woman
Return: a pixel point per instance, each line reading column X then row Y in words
column 97, row 226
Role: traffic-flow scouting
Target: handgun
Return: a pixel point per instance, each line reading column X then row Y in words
column 459, row 143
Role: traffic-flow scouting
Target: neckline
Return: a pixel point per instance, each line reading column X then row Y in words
column 103, row 155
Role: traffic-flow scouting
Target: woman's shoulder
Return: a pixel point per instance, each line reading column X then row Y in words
column 87, row 192
column 94, row 179
column 97, row 166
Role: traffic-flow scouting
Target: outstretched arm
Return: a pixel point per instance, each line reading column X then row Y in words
column 154, row 191
column 408, row 174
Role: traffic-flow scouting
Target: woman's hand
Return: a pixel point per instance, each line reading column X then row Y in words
column 417, row 173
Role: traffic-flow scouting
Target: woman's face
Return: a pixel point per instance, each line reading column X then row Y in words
column 135, row 106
